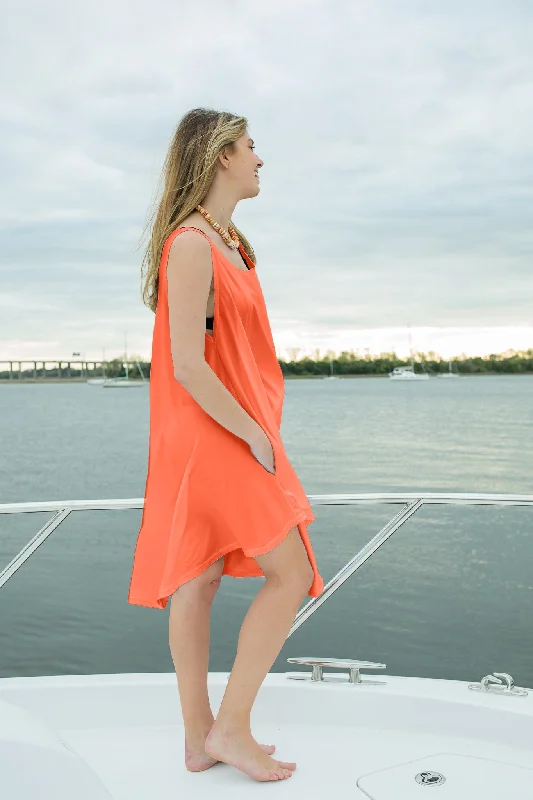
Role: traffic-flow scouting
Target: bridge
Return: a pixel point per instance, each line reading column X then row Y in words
column 28, row 369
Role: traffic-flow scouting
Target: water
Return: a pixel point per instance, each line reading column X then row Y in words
column 450, row 595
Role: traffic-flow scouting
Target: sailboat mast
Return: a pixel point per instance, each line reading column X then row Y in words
column 126, row 352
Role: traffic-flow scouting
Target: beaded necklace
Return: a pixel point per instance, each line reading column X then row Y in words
column 231, row 238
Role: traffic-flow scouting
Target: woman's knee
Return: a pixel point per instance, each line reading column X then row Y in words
column 288, row 563
column 203, row 586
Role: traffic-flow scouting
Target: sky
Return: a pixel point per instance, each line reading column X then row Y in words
column 397, row 186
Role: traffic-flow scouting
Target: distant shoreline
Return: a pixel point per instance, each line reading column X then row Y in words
column 15, row 381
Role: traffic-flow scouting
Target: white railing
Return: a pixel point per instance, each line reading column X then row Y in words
column 411, row 502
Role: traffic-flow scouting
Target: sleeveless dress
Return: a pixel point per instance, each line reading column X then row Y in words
column 206, row 494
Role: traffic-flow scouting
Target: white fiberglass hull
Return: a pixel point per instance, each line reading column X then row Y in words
column 123, row 383
column 410, row 376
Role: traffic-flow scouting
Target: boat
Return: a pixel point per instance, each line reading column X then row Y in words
column 124, row 381
column 449, row 374
column 408, row 373
column 353, row 729
column 331, row 376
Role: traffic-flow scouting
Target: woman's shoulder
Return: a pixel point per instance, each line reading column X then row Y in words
column 188, row 247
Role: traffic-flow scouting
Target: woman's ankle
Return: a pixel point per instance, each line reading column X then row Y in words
column 198, row 726
column 232, row 722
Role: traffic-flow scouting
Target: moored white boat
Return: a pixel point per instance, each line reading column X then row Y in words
column 449, row 374
column 407, row 374
column 331, row 376
column 123, row 383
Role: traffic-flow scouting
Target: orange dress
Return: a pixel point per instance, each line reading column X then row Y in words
column 206, row 495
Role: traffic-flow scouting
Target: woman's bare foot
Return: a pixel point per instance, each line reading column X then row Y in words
column 239, row 748
column 197, row 760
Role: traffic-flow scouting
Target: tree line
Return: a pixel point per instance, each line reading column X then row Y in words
column 346, row 363
column 350, row 363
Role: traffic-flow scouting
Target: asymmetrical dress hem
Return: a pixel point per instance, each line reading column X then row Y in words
column 162, row 601
column 206, row 494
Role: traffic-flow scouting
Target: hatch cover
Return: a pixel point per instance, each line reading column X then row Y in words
column 461, row 778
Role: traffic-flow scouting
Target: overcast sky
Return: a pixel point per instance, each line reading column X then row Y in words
column 397, row 187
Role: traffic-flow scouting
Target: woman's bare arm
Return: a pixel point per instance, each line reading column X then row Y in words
column 189, row 274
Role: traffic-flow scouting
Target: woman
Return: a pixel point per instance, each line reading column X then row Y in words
column 221, row 495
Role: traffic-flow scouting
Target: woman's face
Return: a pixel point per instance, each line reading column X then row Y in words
column 245, row 165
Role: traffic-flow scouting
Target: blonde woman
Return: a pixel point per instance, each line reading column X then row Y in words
column 222, row 497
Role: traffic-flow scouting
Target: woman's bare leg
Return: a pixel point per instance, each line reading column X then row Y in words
column 189, row 629
column 289, row 575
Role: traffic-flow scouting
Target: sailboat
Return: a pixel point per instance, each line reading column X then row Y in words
column 331, row 376
column 449, row 374
column 408, row 373
column 124, row 381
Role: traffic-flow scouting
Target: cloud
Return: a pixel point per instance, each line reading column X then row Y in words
column 397, row 141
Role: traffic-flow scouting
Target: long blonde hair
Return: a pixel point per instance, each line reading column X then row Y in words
column 188, row 172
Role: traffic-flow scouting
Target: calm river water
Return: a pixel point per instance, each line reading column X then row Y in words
column 450, row 595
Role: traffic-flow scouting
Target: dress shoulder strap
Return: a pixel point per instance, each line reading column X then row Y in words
column 242, row 251
column 192, row 228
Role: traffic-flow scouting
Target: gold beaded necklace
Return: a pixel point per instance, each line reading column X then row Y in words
column 231, row 238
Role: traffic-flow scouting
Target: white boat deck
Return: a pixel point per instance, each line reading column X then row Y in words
column 112, row 737
column 124, row 739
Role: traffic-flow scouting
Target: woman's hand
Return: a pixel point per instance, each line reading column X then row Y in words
column 262, row 450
